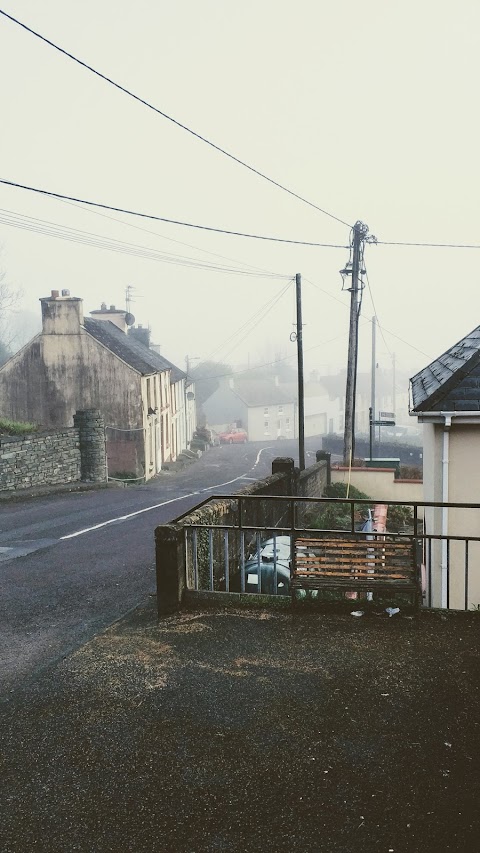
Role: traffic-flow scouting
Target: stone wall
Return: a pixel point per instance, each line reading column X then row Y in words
column 55, row 457
column 313, row 481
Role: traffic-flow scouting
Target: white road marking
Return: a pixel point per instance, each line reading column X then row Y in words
column 155, row 506
column 257, row 460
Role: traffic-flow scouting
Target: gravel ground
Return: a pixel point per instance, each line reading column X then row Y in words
column 250, row 731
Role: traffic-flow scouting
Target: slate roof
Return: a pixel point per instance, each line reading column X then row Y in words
column 451, row 382
column 142, row 359
column 261, row 392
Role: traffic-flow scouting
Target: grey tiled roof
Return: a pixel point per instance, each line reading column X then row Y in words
column 132, row 352
column 452, row 381
column 259, row 392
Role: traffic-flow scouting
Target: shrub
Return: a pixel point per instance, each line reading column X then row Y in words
column 410, row 472
column 398, row 517
column 336, row 517
column 8, row 427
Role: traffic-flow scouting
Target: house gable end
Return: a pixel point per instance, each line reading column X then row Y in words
column 464, row 394
column 443, row 384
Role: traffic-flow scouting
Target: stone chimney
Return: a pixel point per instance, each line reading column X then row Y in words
column 140, row 334
column 61, row 315
column 115, row 315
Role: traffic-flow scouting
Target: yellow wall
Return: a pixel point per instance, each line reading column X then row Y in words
column 463, row 487
column 380, row 484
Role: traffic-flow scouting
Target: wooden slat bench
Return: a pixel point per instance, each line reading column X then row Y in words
column 354, row 563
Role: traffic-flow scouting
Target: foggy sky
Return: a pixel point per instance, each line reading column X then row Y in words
column 367, row 109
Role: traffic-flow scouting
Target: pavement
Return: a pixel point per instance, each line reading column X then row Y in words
column 249, row 730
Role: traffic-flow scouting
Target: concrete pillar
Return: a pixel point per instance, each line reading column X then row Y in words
column 285, row 465
column 170, row 567
column 91, row 433
column 325, row 456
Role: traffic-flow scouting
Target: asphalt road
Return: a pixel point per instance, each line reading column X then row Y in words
column 71, row 564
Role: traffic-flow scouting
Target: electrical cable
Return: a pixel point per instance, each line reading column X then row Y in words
column 367, row 319
column 171, row 119
column 65, row 232
column 429, row 245
column 259, row 320
column 244, row 325
column 265, row 364
column 163, row 236
column 164, row 219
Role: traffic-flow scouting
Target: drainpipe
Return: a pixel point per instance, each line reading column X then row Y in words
column 445, row 463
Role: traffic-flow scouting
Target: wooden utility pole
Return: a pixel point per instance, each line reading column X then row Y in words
column 360, row 231
column 394, row 387
column 373, row 406
column 301, row 401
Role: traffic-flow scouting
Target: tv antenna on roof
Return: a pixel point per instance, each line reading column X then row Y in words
column 129, row 298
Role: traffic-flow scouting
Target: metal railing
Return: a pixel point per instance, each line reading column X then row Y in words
column 250, row 548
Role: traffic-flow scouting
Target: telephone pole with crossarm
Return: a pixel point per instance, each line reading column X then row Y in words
column 354, row 268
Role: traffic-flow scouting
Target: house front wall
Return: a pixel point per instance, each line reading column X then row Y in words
column 178, row 418
column 316, row 424
column 271, row 422
column 451, row 473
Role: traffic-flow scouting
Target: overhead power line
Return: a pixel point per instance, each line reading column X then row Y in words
column 98, row 241
column 173, row 120
column 261, row 316
column 430, row 245
column 267, row 363
column 248, row 325
column 123, row 222
column 367, row 320
column 164, row 219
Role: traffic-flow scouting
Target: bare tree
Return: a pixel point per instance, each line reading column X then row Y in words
column 9, row 299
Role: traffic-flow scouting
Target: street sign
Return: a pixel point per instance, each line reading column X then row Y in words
column 389, row 415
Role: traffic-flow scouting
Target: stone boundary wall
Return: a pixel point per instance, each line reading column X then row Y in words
column 41, row 459
column 55, row 457
column 312, row 482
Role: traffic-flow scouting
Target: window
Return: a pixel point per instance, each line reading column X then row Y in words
column 266, row 428
column 287, row 424
column 265, row 411
column 280, row 410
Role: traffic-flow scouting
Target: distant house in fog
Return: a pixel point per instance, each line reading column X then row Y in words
column 259, row 406
column 77, row 363
column 268, row 409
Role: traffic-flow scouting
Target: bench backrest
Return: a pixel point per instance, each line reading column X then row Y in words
column 382, row 558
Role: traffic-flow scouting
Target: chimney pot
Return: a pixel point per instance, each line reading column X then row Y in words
column 112, row 307
column 55, row 294
column 65, row 293
column 103, row 306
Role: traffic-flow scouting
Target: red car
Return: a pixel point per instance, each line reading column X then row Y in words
column 233, row 436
